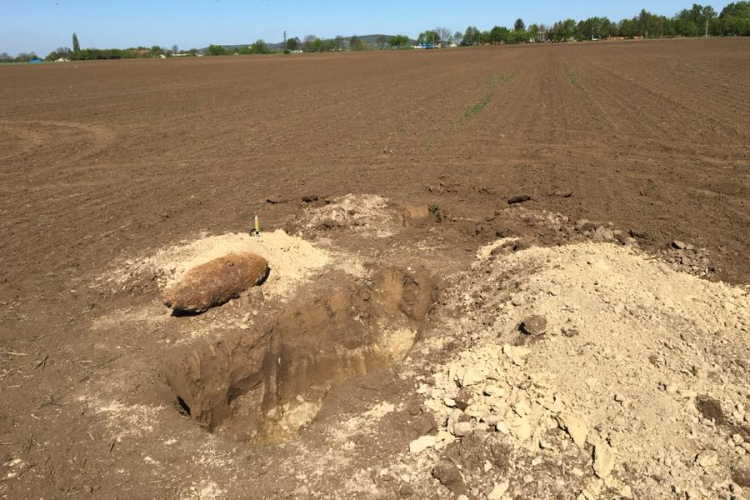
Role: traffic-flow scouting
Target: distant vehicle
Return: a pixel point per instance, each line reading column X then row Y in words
column 35, row 60
column 427, row 46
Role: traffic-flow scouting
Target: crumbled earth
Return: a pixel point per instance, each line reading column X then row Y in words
column 418, row 335
column 563, row 362
column 647, row 399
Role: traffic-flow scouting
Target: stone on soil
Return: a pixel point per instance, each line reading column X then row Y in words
column 604, row 460
column 575, row 427
column 419, row 445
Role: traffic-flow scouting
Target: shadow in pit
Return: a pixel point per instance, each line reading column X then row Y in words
column 265, row 384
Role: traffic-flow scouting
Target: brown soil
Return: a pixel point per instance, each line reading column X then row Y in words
column 109, row 166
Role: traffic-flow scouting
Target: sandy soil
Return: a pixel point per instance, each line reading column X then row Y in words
column 378, row 179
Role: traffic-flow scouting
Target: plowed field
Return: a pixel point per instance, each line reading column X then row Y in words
column 102, row 163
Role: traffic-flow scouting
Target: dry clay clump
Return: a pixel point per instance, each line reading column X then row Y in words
column 215, row 282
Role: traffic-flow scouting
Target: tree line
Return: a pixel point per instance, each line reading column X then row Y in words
column 699, row 20
column 312, row 43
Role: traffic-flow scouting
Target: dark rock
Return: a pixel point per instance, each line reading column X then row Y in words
column 310, row 198
column 450, row 477
column 638, row 234
column 522, row 244
column 328, row 225
column 425, row 424
column 678, row 245
column 501, row 454
column 522, row 198
column 275, row 200
column 569, row 331
column 499, row 250
column 710, row 408
column 588, row 227
column 406, row 491
column 533, row 325
column 502, row 233
column 741, row 474
column 463, row 398
column 473, row 453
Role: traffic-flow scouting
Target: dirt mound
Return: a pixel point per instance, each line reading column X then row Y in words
column 367, row 214
column 259, row 384
column 215, row 282
column 291, row 259
column 643, row 370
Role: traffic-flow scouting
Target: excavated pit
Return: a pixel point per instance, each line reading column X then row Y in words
column 265, row 384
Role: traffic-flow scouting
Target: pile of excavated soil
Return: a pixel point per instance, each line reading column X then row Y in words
column 291, row 259
column 627, row 378
column 367, row 214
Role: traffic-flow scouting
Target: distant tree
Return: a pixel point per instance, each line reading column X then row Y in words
column 519, row 25
column 307, row 44
column 399, row 41
column 472, row 36
column 292, row 44
column 736, row 9
column 175, row 49
column 458, row 38
column 25, row 56
column 259, row 47
column 734, row 19
column 213, row 50
column 595, row 27
column 338, row 43
column 543, row 33
column 443, row 34
column 317, row 45
column 629, row 28
column 708, row 13
column 57, row 54
column 355, row 43
column 429, row 37
column 5, row 57
column 76, row 45
column 381, row 42
column 562, row 31
column 499, row 35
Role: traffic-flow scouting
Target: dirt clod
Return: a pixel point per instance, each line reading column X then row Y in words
column 406, row 491
column 519, row 199
column 449, row 476
column 533, row 325
column 710, row 408
column 741, row 474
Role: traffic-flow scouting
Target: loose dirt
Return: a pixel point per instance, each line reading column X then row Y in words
column 631, row 350
column 291, row 259
column 384, row 357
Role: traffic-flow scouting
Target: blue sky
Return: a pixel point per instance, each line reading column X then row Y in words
column 43, row 25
